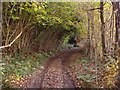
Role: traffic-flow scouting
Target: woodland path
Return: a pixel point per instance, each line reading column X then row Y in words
column 57, row 72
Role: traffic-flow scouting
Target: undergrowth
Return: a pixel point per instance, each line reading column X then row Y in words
column 18, row 66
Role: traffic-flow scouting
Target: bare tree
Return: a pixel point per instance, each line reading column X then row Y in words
column 116, row 9
column 102, row 27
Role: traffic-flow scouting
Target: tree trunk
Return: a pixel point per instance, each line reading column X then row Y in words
column 102, row 28
column 88, row 33
column 92, row 35
column 0, row 42
column 116, row 9
column 0, row 24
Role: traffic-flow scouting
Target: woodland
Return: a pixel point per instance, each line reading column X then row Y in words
column 60, row 45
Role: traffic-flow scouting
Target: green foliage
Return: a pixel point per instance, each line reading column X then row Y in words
column 45, row 13
column 32, row 17
column 85, row 72
column 18, row 66
column 83, row 60
column 87, row 77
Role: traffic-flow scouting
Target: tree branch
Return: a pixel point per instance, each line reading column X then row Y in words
column 12, row 41
column 93, row 9
column 96, row 8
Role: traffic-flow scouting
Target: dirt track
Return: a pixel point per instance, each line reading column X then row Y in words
column 57, row 73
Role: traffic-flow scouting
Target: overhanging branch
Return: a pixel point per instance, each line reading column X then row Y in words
column 12, row 41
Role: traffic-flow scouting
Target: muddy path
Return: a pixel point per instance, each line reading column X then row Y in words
column 56, row 72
